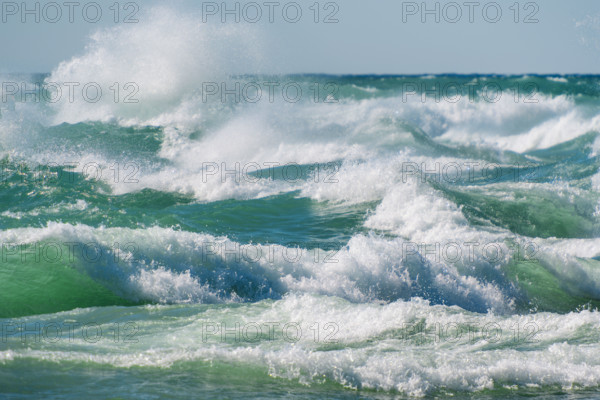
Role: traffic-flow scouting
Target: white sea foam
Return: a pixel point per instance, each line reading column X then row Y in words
column 377, row 346
column 171, row 266
column 167, row 65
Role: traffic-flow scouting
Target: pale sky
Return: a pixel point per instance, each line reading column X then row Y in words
column 370, row 37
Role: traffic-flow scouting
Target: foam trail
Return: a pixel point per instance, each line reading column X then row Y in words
column 408, row 347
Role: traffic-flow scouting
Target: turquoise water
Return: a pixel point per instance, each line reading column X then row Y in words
column 381, row 237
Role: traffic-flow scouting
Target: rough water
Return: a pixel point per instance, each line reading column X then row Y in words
column 192, row 233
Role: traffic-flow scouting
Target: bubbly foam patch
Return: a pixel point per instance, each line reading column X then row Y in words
column 409, row 347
